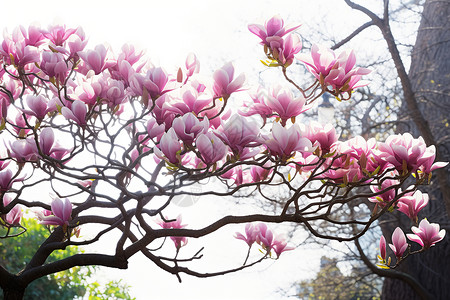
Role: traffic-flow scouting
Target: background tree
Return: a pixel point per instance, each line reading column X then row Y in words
column 330, row 283
column 406, row 103
column 423, row 110
column 70, row 284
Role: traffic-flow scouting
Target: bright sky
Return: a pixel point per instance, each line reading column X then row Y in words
column 216, row 31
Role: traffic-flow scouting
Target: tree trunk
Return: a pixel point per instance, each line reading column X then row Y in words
column 13, row 294
column 430, row 79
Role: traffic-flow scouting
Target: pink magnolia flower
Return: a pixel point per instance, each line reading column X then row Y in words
column 344, row 77
column 408, row 154
column 191, row 101
column 251, row 233
column 130, row 54
column 337, row 72
column 48, row 145
column 173, row 224
column 361, row 151
column 343, row 171
column 273, row 30
column 188, row 127
column 86, row 183
column 32, row 37
column 224, row 82
column 192, row 64
column 258, row 173
column 15, row 50
column 264, row 237
column 237, row 175
column 54, row 66
column 38, row 107
column 14, row 215
column 179, row 241
column 14, row 86
column 77, row 43
column 258, row 106
column 154, row 82
column 238, row 133
column 4, row 104
column 284, row 142
column 170, row 147
column 90, row 89
column 410, row 205
column 216, row 120
column 20, row 126
column 6, row 180
column 154, row 130
column 96, row 59
column 321, row 61
column 161, row 112
column 24, row 150
column 279, row 245
column 386, row 197
column 383, row 248
column 76, row 113
column 305, row 161
column 284, row 105
column 211, row 148
column 46, row 140
column 291, row 46
column 122, row 71
column 134, row 156
column 114, row 92
column 40, row 215
column 399, row 243
column 18, row 54
column 322, row 136
column 62, row 213
column 4, row 162
column 58, row 34
column 427, row 234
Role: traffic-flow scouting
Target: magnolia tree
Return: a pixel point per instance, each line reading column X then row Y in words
column 93, row 138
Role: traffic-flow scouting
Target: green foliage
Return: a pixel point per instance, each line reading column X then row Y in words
column 112, row 291
column 67, row 285
column 331, row 284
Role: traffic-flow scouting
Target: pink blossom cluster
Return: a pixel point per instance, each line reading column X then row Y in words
column 179, row 241
column 356, row 159
column 272, row 35
column 53, row 85
column 23, row 150
column 280, row 103
column 408, row 154
column 426, row 235
column 335, row 73
column 263, row 236
column 13, row 217
column 60, row 215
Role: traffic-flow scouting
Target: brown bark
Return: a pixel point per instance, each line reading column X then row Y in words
column 429, row 75
column 13, row 288
column 11, row 294
column 427, row 106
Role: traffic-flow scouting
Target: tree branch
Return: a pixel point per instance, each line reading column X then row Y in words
column 411, row 281
column 352, row 35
